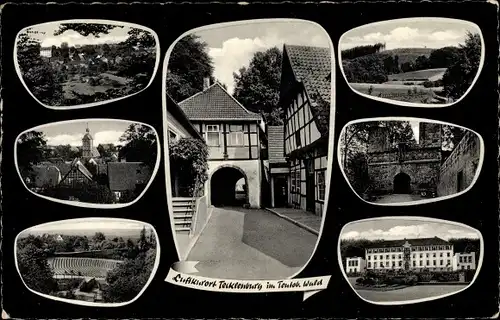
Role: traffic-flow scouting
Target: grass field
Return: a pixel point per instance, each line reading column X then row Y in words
column 399, row 92
column 422, row 75
column 75, row 84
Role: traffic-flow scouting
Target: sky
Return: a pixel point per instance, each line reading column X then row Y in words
column 421, row 33
column 73, row 38
column 88, row 224
column 395, row 229
column 233, row 47
column 72, row 133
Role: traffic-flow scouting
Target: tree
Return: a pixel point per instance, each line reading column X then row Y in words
column 140, row 145
column 86, row 29
column 366, row 69
column 459, row 76
column 360, row 51
column 106, row 150
column 33, row 266
column 258, row 86
column 444, row 57
column 188, row 64
column 422, row 62
column 30, row 150
column 98, row 237
column 38, row 75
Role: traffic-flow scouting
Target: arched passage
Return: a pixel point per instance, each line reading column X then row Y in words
column 229, row 187
column 402, row 183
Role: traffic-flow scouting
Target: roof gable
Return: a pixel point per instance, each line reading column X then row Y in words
column 215, row 103
column 312, row 67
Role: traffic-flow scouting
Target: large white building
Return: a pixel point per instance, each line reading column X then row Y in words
column 433, row 254
column 355, row 265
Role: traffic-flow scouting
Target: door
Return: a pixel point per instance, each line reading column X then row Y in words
column 280, row 191
column 310, row 187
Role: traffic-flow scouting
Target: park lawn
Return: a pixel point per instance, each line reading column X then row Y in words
column 398, row 92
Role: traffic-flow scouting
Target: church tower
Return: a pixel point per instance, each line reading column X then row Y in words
column 87, row 144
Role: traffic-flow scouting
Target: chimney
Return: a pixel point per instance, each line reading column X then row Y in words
column 206, row 83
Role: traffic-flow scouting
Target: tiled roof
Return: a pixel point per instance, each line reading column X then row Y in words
column 125, row 175
column 276, row 148
column 215, row 103
column 312, row 66
column 414, row 242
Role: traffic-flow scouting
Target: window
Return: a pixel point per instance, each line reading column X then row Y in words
column 381, row 257
column 434, row 255
column 393, row 264
column 369, row 264
column 463, row 267
column 433, row 262
column 460, row 259
column 375, row 265
column 393, row 256
column 440, row 262
column 399, row 257
column 369, row 257
column 420, row 262
column 387, row 256
column 470, row 259
column 414, row 256
column 427, row 263
column 236, row 138
column 414, row 263
column 400, row 263
column 421, row 255
column 297, row 180
column 321, row 185
column 213, row 135
column 448, row 254
column 441, row 255
column 468, row 267
column 374, row 257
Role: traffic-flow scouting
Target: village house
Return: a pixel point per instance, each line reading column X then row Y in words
column 121, row 176
column 234, row 138
column 305, row 97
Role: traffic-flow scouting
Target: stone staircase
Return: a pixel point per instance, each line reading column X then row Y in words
column 183, row 214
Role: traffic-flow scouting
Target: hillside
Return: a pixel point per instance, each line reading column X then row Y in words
column 404, row 54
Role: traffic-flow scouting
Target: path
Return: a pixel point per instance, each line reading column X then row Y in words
column 251, row 244
column 410, row 293
column 398, row 198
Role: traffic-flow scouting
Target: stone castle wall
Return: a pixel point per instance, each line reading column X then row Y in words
column 464, row 158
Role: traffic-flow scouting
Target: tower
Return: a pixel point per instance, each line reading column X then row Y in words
column 430, row 134
column 87, row 144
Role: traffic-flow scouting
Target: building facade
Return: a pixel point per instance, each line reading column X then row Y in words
column 234, row 136
column 355, row 265
column 434, row 254
column 305, row 97
column 401, row 168
column 279, row 169
column 464, row 261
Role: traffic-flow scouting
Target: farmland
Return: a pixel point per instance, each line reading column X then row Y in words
column 82, row 267
column 419, row 75
column 399, row 92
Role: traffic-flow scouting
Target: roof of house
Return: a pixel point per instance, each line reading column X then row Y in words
column 215, row 103
column 125, row 175
column 312, row 67
column 276, row 147
column 179, row 114
column 414, row 242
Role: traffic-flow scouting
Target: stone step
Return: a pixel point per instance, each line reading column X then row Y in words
column 182, row 222
column 182, row 229
column 176, row 199
column 187, row 216
column 182, row 209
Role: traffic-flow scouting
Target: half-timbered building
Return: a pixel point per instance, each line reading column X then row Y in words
column 233, row 135
column 305, row 95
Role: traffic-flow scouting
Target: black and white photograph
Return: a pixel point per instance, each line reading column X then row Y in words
column 96, row 260
column 74, row 63
column 248, row 113
column 403, row 259
column 96, row 161
column 428, row 61
column 408, row 160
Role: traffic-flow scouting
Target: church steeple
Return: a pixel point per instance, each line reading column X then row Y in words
column 87, row 144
